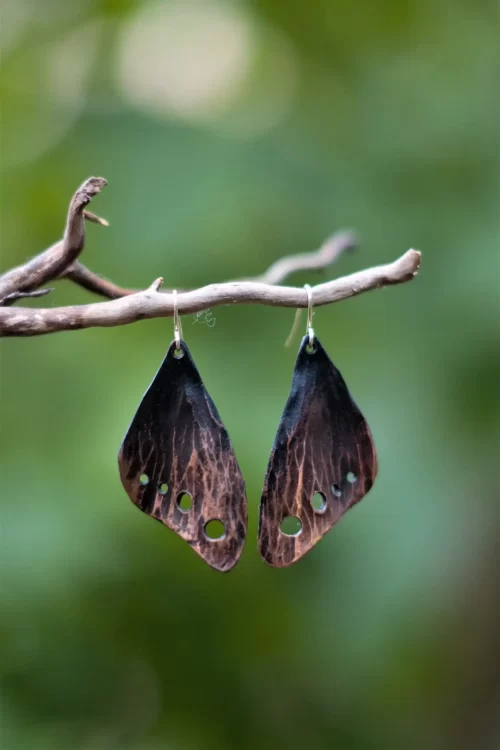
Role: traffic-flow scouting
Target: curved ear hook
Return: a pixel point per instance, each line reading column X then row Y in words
column 310, row 329
column 177, row 323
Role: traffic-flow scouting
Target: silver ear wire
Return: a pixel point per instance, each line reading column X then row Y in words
column 310, row 329
column 177, row 323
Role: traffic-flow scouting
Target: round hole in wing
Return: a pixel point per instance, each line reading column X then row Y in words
column 215, row 529
column 318, row 502
column 291, row 525
column 184, row 502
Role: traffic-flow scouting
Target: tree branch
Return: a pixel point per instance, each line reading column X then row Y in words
column 92, row 282
column 130, row 305
column 318, row 260
column 51, row 263
column 152, row 304
column 329, row 252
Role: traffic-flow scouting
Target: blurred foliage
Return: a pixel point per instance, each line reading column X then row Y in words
column 232, row 134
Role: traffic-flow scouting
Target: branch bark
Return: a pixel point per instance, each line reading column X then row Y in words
column 151, row 303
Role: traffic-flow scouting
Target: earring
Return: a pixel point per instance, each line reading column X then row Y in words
column 323, row 460
column 177, row 463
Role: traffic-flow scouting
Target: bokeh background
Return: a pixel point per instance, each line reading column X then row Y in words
column 232, row 134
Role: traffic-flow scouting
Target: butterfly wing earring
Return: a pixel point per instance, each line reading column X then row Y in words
column 323, row 460
column 177, row 463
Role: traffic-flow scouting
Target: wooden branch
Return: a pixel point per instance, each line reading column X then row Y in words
column 130, row 305
column 92, row 282
column 329, row 252
column 152, row 303
column 51, row 263
column 318, row 260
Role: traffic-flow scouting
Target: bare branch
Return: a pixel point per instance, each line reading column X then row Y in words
column 129, row 305
column 51, row 263
column 318, row 260
column 84, row 277
column 153, row 304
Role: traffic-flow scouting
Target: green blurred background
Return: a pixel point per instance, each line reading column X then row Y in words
column 232, row 134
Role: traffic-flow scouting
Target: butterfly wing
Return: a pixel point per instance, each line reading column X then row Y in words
column 323, row 453
column 177, row 449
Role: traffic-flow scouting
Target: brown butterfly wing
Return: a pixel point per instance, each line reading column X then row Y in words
column 323, row 445
column 178, row 444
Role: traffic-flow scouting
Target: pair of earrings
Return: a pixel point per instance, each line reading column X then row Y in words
column 177, row 463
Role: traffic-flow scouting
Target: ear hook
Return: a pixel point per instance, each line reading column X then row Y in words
column 310, row 329
column 296, row 321
column 177, row 323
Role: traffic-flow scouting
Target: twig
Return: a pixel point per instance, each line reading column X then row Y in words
column 318, row 260
column 11, row 298
column 81, row 275
column 95, row 219
column 51, row 263
column 153, row 304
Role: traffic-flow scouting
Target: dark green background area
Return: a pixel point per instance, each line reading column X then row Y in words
column 113, row 634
